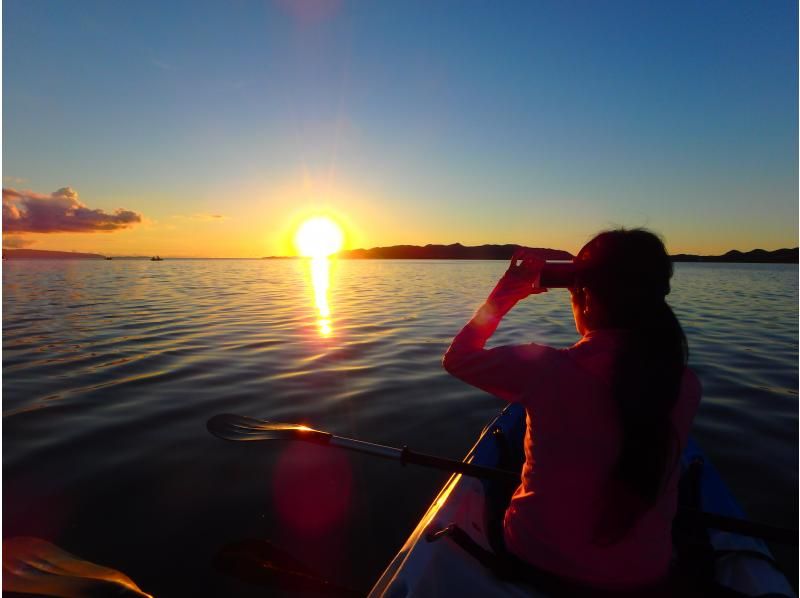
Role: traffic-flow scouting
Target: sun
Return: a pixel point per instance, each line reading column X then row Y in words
column 318, row 237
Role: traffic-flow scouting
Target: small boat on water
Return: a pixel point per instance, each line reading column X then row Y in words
column 446, row 553
column 156, row 258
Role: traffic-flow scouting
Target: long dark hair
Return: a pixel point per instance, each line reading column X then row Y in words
column 628, row 272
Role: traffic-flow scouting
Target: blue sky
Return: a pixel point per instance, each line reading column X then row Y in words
column 414, row 122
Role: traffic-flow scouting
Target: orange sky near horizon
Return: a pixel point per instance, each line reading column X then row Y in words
column 201, row 235
column 264, row 218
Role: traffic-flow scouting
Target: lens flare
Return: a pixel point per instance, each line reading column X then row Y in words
column 318, row 237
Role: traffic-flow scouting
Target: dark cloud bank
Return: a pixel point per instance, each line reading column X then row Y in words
column 16, row 242
column 58, row 212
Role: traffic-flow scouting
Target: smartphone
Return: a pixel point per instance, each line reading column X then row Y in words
column 557, row 275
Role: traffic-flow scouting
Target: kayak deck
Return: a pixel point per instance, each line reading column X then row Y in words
column 427, row 567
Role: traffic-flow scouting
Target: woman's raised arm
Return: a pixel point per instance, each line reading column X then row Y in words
column 498, row 371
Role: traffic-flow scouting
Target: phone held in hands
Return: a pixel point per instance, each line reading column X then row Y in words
column 557, row 275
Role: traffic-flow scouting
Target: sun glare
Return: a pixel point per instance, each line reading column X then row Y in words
column 318, row 237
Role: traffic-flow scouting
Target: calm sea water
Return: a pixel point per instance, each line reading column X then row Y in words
column 111, row 369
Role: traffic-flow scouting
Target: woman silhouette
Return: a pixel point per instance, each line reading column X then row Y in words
column 607, row 418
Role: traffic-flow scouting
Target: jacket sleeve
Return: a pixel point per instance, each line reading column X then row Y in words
column 508, row 372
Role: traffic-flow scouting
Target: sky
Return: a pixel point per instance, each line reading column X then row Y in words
column 215, row 128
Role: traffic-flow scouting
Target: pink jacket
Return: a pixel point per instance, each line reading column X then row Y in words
column 571, row 445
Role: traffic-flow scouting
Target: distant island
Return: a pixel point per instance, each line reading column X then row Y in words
column 756, row 256
column 41, row 254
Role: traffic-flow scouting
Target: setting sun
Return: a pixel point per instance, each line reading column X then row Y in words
column 318, row 237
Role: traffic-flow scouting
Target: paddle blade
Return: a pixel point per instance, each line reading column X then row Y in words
column 34, row 566
column 241, row 428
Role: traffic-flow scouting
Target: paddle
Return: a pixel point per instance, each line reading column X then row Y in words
column 249, row 429
column 34, row 566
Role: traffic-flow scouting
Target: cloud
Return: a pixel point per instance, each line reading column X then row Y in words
column 59, row 212
column 210, row 217
column 10, row 242
column 202, row 217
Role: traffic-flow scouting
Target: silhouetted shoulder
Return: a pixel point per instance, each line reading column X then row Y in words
column 685, row 410
column 691, row 384
column 536, row 352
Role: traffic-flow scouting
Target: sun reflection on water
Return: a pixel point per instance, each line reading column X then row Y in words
column 319, row 238
column 320, row 280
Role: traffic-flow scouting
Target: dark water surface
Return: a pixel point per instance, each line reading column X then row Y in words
column 111, row 369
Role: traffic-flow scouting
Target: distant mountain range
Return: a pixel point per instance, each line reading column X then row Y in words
column 41, row 254
column 756, row 256
column 456, row 251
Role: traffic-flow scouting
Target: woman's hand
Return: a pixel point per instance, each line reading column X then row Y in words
column 520, row 280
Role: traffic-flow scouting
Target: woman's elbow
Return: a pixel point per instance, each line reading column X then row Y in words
column 452, row 363
column 447, row 362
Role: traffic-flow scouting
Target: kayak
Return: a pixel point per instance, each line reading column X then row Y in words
column 437, row 561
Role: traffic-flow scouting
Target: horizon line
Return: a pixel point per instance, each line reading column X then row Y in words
column 200, row 257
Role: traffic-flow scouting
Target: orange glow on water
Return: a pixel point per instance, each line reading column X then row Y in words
column 325, row 328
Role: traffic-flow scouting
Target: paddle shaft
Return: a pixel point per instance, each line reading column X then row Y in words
column 406, row 455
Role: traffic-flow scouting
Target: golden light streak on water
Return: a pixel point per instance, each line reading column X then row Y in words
column 320, row 280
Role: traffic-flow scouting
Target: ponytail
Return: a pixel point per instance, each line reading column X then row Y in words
column 646, row 385
column 628, row 272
